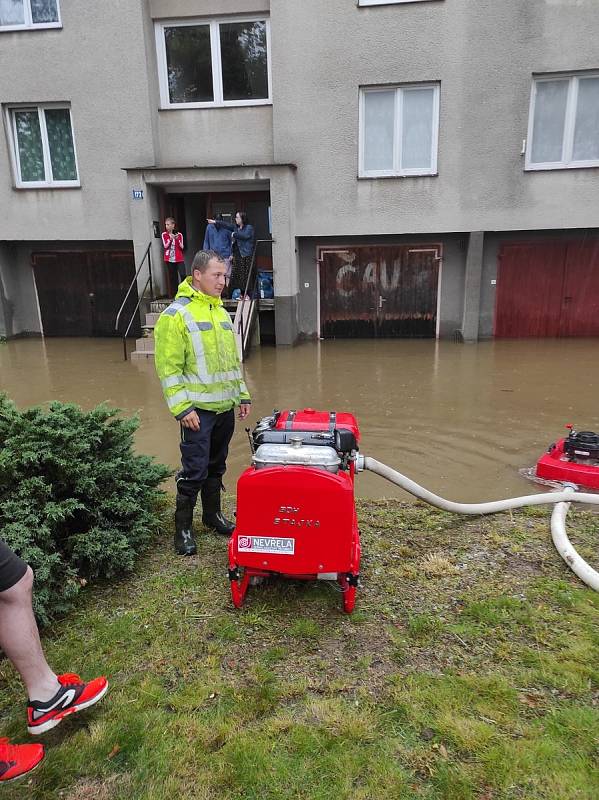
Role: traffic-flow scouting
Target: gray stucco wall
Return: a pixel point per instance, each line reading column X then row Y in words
column 484, row 55
column 98, row 64
column 215, row 136
column 169, row 9
column 451, row 283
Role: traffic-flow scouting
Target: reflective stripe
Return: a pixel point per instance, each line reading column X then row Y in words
column 176, row 305
column 227, row 326
column 218, row 377
column 201, row 397
column 214, row 397
column 173, row 380
column 179, row 380
column 180, row 397
column 195, row 327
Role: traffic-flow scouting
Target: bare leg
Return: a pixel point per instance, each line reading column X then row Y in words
column 19, row 638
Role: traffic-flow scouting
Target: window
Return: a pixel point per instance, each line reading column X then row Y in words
column 399, row 130
column 43, row 146
column 563, row 127
column 18, row 15
column 214, row 63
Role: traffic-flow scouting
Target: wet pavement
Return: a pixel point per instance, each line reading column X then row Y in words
column 459, row 419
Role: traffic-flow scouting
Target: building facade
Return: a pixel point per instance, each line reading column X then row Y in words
column 423, row 167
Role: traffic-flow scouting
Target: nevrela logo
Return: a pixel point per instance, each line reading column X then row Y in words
column 279, row 545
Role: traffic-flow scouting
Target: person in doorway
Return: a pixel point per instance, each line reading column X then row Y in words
column 243, row 240
column 51, row 697
column 172, row 241
column 218, row 239
column 198, row 366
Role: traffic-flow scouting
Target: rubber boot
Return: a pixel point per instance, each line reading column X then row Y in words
column 185, row 544
column 212, row 516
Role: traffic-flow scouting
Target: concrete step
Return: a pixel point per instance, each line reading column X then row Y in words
column 151, row 319
column 141, row 355
column 145, row 344
column 158, row 306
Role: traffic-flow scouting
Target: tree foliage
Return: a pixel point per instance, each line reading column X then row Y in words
column 76, row 503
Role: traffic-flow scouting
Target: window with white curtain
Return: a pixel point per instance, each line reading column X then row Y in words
column 399, row 130
column 563, row 128
column 23, row 14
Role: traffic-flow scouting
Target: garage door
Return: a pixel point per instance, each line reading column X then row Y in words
column 383, row 291
column 548, row 289
column 80, row 292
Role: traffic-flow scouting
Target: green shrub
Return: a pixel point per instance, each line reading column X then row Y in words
column 75, row 502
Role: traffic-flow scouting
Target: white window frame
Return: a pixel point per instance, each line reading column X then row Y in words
column 217, row 78
column 29, row 24
column 14, row 149
column 397, row 171
column 570, row 123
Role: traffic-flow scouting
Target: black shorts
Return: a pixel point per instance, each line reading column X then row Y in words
column 12, row 568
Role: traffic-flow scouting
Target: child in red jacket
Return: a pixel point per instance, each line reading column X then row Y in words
column 172, row 242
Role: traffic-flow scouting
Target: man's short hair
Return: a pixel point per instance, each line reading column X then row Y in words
column 202, row 258
column 170, row 219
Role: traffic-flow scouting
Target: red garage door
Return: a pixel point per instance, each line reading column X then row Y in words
column 548, row 289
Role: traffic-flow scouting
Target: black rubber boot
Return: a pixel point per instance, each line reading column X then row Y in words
column 212, row 516
column 185, row 544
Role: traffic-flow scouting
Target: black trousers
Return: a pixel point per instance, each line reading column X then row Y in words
column 12, row 568
column 204, row 452
column 239, row 272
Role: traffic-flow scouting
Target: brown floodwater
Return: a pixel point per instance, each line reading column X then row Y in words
column 459, row 419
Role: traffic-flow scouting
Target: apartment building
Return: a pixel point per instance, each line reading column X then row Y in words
column 423, row 167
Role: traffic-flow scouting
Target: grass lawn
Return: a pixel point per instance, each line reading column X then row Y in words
column 470, row 669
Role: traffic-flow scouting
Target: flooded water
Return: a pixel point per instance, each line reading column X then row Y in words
column 459, row 419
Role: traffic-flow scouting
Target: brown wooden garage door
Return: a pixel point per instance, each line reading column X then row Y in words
column 80, row 292
column 548, row 289
column 383, row 291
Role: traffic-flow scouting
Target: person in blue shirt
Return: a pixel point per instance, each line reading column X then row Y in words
column 243, row 239
column 218, row 239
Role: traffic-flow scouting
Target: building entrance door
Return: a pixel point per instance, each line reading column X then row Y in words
column 379, row 291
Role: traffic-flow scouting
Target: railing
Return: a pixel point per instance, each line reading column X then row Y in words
column 244, row 329
column 149, row 282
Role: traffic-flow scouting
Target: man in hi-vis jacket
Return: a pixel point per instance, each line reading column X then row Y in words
column 200, row 373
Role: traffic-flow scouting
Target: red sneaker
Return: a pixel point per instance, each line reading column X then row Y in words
column 73, row 695
column 17, row 760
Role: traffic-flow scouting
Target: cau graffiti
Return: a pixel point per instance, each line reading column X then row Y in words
column 375, row 276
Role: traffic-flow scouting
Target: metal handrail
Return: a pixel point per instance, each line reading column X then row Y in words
column 148, row 255
column 141, row 297
column 246, row 296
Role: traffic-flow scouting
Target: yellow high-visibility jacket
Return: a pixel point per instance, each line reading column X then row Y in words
column 196, row 355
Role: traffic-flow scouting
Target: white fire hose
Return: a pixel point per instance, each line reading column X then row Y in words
column 561, row 500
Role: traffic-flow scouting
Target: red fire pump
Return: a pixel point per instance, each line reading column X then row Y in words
column 296, row 514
